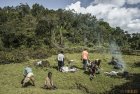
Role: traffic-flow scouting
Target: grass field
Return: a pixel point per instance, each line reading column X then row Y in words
column 69, row 83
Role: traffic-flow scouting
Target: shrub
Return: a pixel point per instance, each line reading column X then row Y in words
column 39, row 53
column 90, row 45
column 15, row 56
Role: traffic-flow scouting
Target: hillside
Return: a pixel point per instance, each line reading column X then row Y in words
column 28, row 27
column 69, row 83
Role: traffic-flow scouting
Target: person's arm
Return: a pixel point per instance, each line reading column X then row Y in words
column 87, row 56
column 46, row 81
column 24, row 72
column 82, row 56
column 52, row 82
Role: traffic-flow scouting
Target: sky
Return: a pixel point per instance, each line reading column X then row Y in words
column 122, row 13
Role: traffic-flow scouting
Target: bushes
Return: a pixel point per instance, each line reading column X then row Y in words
column 73, row 50
column 22, row 55
column 39, row 53
column 13, row 57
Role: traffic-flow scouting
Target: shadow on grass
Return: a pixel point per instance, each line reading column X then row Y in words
column 77, row 67
column 27, row 84
column 137, row 64
column 131, row 87
column 87, row 72
column 54, row 67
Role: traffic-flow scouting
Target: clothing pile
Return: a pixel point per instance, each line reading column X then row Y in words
column 112, row 73
column 69, row 69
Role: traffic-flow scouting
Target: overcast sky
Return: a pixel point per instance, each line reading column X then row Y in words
column 122, row 13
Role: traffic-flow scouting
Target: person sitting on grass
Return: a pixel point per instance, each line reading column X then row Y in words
column 28, row 77
column 49, row 82
column 113, row 61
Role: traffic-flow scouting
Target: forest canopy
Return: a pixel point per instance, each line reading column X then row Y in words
column 25, row 26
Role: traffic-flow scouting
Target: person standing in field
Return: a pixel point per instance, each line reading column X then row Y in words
column 60, row 59
column 84, row 58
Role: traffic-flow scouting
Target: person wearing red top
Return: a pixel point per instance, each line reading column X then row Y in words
column 84, row 58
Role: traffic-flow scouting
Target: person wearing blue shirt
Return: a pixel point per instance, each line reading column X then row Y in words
column 28, row 76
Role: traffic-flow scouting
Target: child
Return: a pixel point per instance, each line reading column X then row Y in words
column 49, row 82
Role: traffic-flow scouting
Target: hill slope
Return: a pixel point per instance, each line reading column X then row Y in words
column 67, row 83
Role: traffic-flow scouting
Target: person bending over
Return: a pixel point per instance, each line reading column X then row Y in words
column 28, row 76
column 92, row 70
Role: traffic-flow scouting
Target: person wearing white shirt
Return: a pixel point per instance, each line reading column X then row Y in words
column 60, row 59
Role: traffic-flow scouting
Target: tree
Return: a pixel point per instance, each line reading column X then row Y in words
column 23, row 10
column 3, row 17
column 37, row 10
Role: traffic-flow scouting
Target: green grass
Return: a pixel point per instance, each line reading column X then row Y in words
column 67, row 83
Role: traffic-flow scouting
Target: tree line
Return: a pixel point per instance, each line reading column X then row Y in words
column 26, row 27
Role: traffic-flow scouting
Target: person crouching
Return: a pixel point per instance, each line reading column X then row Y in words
column 28, row 77
column 92, row 70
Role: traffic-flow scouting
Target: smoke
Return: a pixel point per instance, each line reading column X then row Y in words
column 116, row 53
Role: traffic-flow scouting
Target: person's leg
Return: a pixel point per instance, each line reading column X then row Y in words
column 26, row 80
column 61, row 65
column 32, row 80
column 91, row 74
column 23, row 80
column 84, row 64
column 58, row 65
